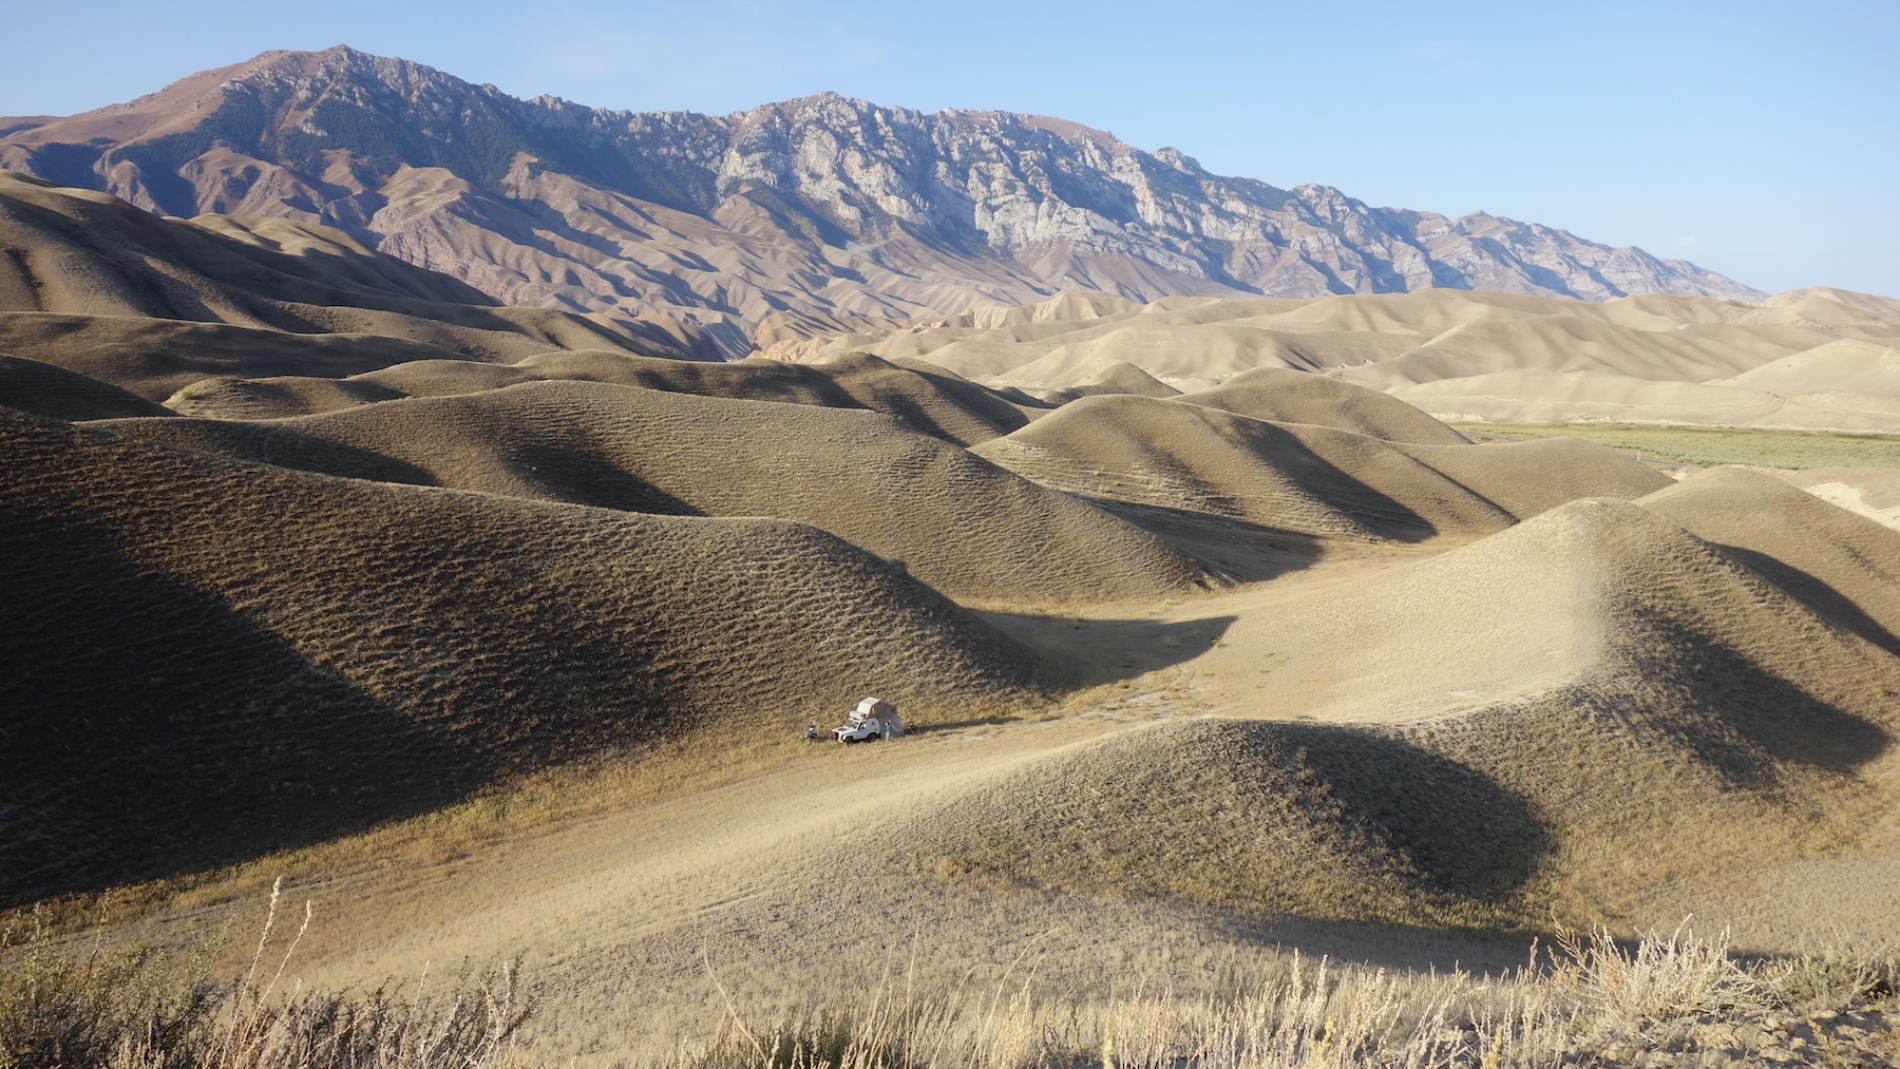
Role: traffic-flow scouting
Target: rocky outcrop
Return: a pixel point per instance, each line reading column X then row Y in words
column 824, row 205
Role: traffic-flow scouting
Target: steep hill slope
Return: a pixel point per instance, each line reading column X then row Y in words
column 1526, row 479
column 1870, row 492
column 1585, row 704
column 92, row 284
column 155, row 358
column 1842, row 566
column 1163, row 454
column 1285, row 396
column 213, row 658
column 76, row 252
column 1304, row 478
column 973, row 531
column 924, row 399
column 46, row 390
column 820, row 205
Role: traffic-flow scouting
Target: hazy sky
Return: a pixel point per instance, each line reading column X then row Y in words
column 1761, row 140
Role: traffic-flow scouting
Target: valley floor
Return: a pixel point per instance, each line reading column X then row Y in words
column 630, row 911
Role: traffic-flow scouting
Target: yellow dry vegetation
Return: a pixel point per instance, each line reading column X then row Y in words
column 508, row 653
column 969, row 529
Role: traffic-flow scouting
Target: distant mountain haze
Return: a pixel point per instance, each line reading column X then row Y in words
column 824, row 205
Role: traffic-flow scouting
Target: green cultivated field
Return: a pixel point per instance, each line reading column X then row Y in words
column 1709, row 447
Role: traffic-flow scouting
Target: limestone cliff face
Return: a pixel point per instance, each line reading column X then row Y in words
column 824, row 205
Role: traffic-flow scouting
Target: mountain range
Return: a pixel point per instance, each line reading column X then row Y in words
column 705, row 225
column 459, row 604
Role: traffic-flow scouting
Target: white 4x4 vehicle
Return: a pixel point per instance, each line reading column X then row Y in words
column 873, row 719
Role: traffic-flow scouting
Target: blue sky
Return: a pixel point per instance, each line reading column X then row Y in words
column 1761, row 140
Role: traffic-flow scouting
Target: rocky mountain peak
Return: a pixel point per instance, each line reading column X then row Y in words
column 824, row 204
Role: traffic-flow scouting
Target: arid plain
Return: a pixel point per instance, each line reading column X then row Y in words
column 493, row 630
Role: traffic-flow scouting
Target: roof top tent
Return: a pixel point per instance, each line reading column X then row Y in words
column 873, row 718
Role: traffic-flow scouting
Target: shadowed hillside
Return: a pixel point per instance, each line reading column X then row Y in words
column 1844, row 567
column 220, row 658
column 1587, row 703
column 76, row 252
column 967, row 528
column 925, row 399
column 46, row 390
column 1303, row 478
column 92, row 284
column 1286, row 396
column 1316, row 821
column 155, row 358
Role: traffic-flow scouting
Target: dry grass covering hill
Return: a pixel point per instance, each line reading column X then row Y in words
column 1810, row 360
column 1285, row 396
column 1117, row 377
column 76, row 252
column 1719, row 723
column 1846, row 568
column 1175, row 456
column 1314, row 821
column 1588, row 703
column 155, row 358
column 92, row 284
column 925, row 399
column 971, row 530
column 1585, row 1000
column 1602, row 691
column 1165, row 454
column 210, row 659
column 46, row 390
column 1527, row 478
column 1870, row 492
column 1302, row 478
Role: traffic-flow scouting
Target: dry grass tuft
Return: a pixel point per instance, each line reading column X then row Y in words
column 1586, row 1000
column 1590, row 1000
column 135, row 1009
